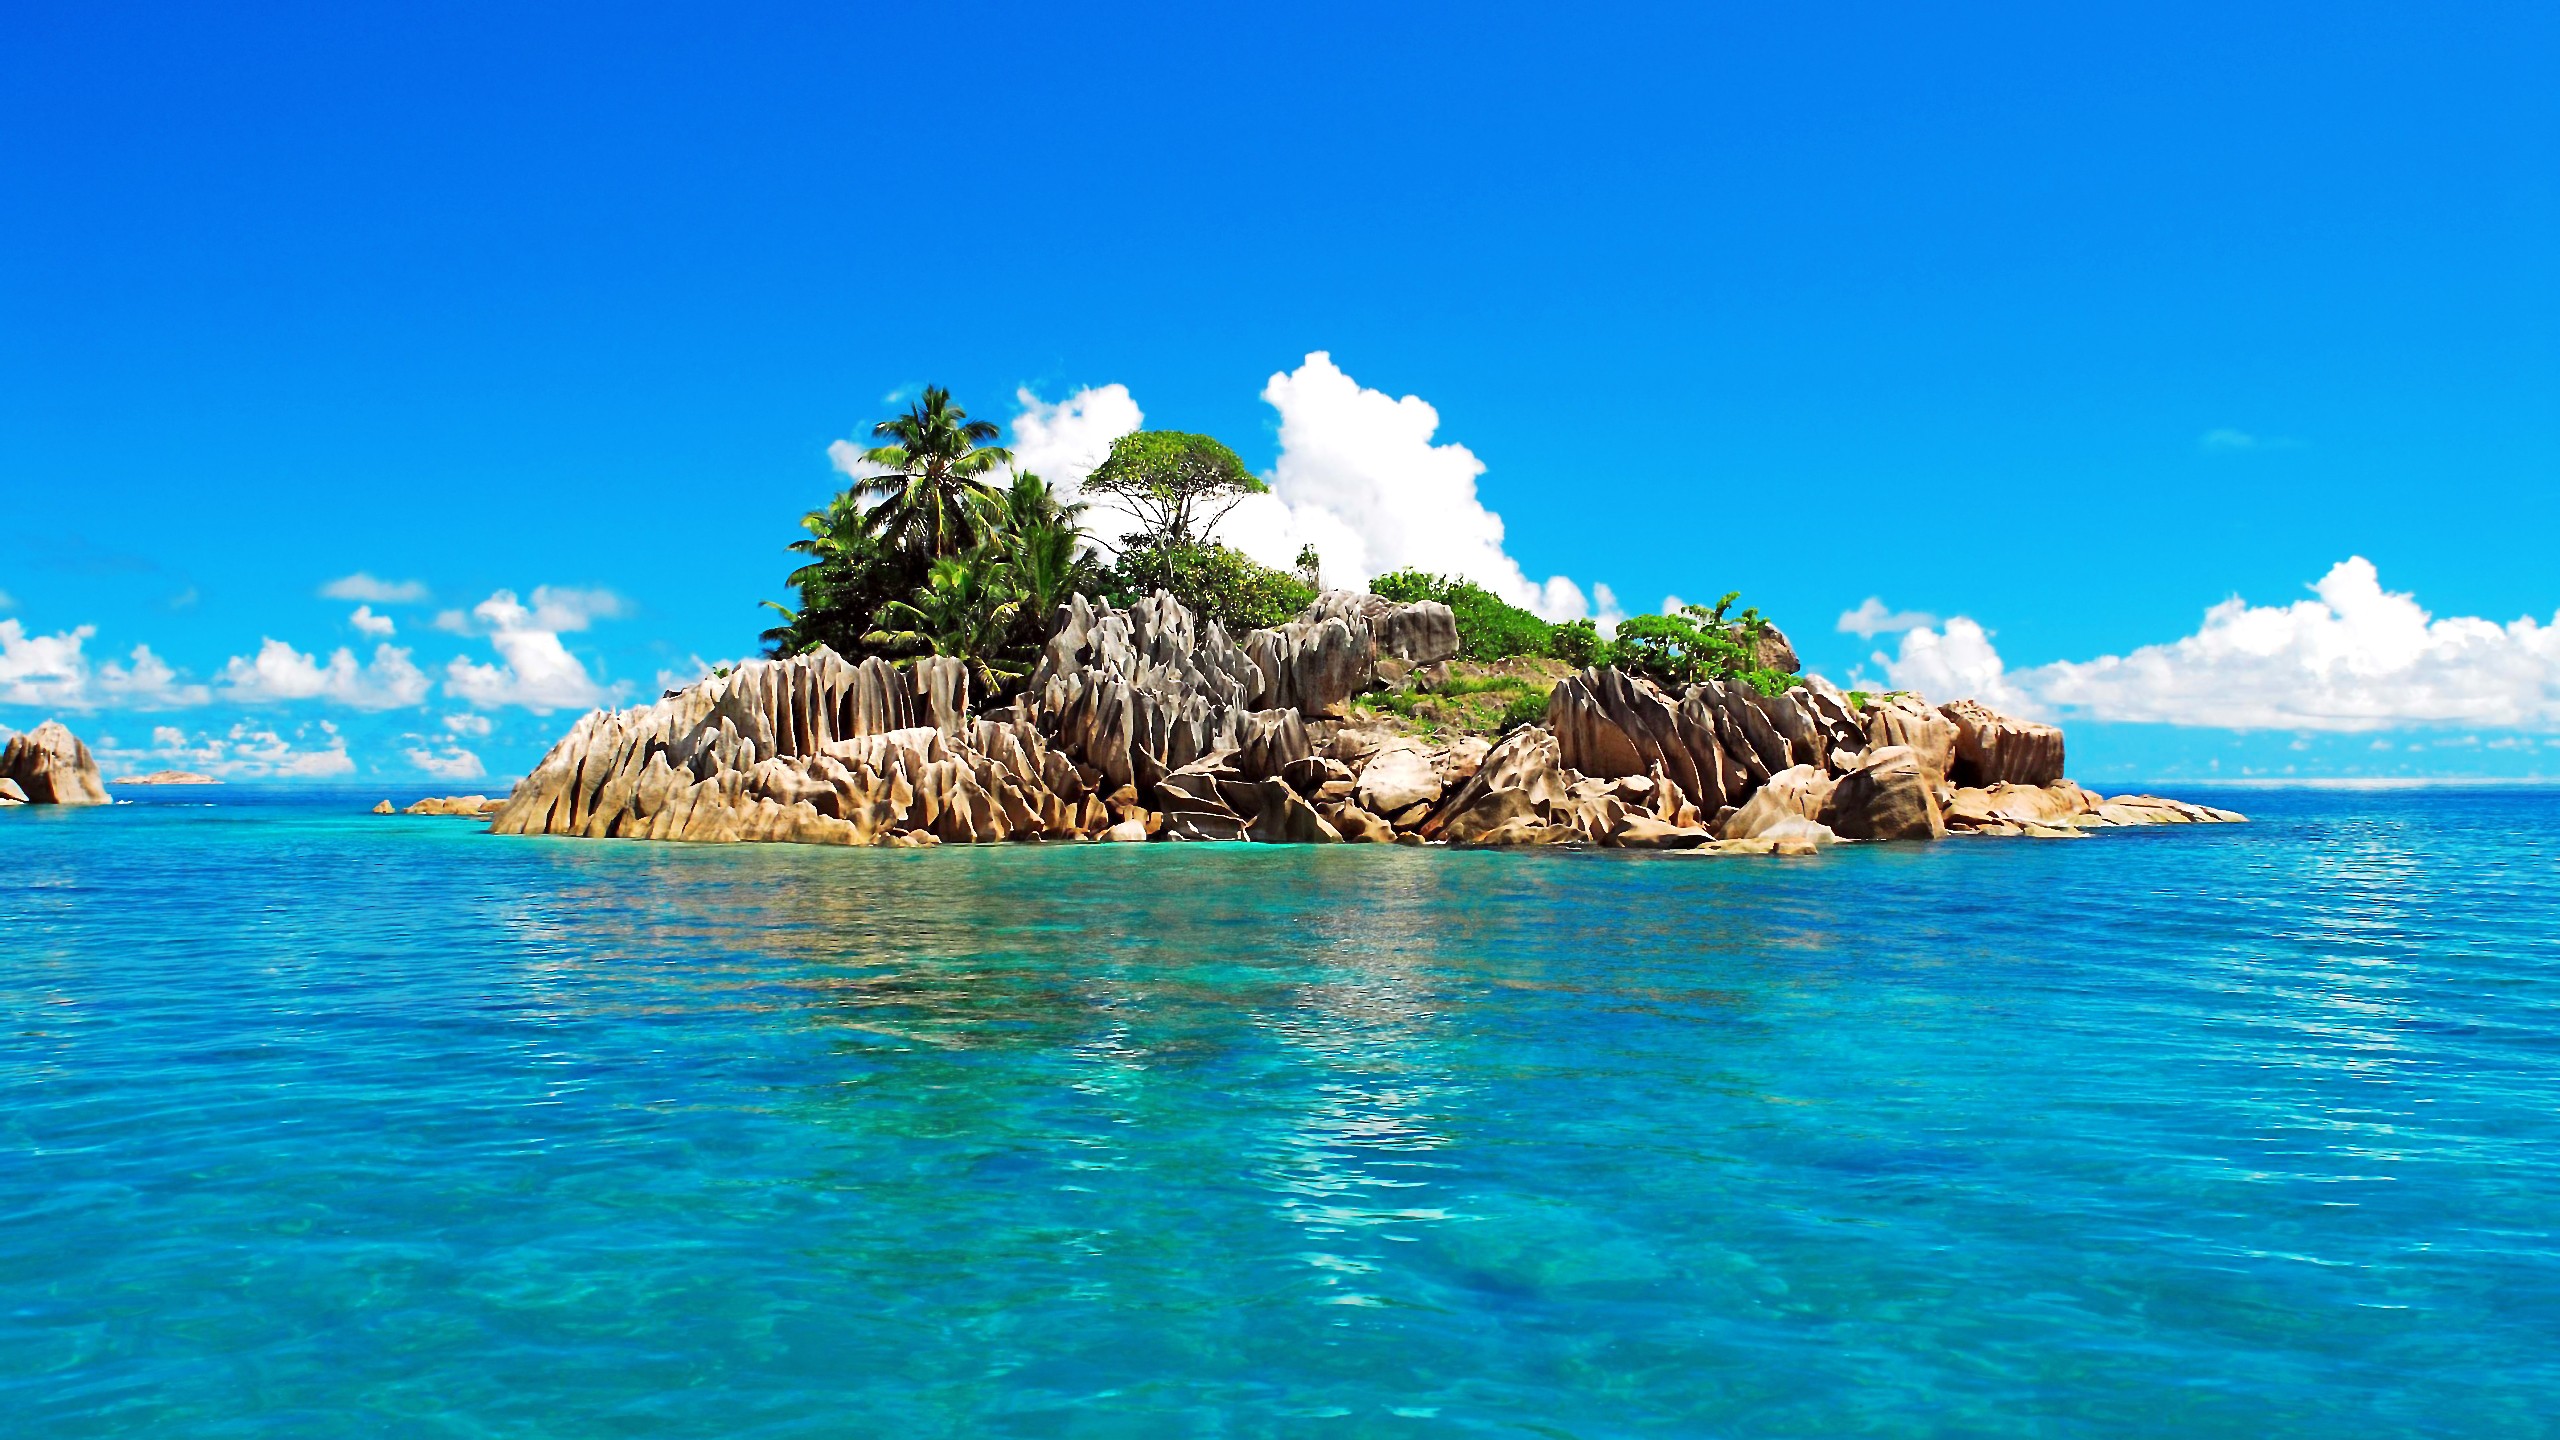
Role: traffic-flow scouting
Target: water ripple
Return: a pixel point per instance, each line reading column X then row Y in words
column 317, row 1123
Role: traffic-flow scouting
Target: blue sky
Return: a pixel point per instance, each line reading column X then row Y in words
column 2057, row 330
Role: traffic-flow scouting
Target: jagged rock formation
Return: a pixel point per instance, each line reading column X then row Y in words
column 1143, row 723
column 50, row 766
column 1406, row 637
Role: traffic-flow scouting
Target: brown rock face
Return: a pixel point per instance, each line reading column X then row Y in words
column 1283, row 817
column 1800, row 792
column 1609, row 723
column 1773, row 652
column 1397, row 779
column 1904, row 721
column 468, row 806
column 1891, row 797
column 1424, row 633
column 1313, row 667
column 52, row 767
column 1995, row 749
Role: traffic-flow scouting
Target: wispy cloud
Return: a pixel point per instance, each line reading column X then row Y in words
column 361, row 586
column 451, row 763
column 147, row 682
column 1873, row 618
column 246, row 751
column 2228, row 440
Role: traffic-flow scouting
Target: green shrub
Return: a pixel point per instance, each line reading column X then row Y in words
column 1528, row 709
column 1678, row 651
column 1489, row 627
column 1214, row 583
column 1579, row 644
column 1410, row 587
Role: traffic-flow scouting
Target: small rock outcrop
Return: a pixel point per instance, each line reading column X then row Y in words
column 1995, row 749
column 1893, row 796
column 51, row 766
column 474, row 807
column 168, row 777
column 1145, row 723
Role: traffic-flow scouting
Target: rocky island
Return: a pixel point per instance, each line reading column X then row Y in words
column 1145, row 723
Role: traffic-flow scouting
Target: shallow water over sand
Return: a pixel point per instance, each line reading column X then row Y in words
column 319, row 1123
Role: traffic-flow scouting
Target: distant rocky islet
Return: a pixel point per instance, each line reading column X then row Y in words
column 1143, row 723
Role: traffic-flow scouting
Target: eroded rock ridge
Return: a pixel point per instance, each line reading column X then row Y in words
column 1145, row 723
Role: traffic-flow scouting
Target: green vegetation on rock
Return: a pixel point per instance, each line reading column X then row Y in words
column 939, row 555
column 1489, row 627
column 1212, row 582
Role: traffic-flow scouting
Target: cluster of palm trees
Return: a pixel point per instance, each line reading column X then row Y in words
column 933, row 555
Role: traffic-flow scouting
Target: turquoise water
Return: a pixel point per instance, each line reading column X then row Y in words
column 314, row 1123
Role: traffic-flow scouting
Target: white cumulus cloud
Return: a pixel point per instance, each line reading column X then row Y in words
column 1873, row 618
column 280, row 672
column 1064, row 442
column 1359, row 477
column 1956, row 663
column 361, row 586
column 369, row 623
column 2353, row 657
column 535, row 669
column 44, row 670
column 467, row 723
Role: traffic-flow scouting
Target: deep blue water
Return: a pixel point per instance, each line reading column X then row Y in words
column 314, row 1123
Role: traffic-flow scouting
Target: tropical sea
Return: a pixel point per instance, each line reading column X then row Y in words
column 319, row 1123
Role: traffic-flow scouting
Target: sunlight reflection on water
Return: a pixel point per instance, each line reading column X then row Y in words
column 359, row 1125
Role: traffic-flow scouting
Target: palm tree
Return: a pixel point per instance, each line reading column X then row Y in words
column 1042, row 542
column 934, row 496
column 1031, row 505
column 847, row 566
column 1047, row 565
column 966, row 610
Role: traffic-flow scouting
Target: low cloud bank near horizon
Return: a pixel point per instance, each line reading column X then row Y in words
column 2353, row 657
